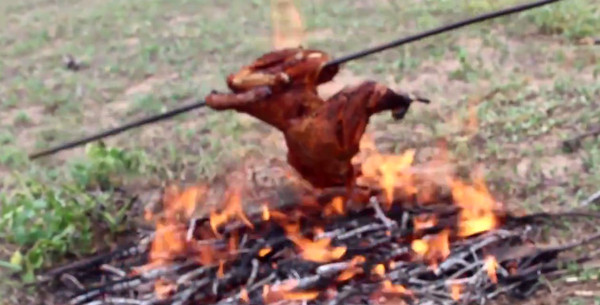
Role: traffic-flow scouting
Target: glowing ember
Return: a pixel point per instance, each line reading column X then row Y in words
column 420, row 246
column 221, row 271
column 163, row 289
column 455, row 291
column 264, row 251
column 336, row 207
column 285, row 291
column 265, row 213
column 352, row 269
column 244, row 295
column 390, row 288
column 491, row 265
column 379, row 270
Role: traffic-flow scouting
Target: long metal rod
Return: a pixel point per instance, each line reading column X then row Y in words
column 334, row 62
column 114, row 131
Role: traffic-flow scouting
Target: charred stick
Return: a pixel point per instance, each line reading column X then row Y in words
column 117, row 301
column 110, row 287
column 114, row 270
column 97, row 260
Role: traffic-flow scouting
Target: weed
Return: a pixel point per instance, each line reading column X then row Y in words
column 49, row 220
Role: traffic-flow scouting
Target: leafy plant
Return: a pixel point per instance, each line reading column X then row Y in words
column 47, row 221
column 105, row 166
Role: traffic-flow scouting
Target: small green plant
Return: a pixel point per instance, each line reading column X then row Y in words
column 105, row 167
column 47, row 221
column 22, row 118
column 467, row 71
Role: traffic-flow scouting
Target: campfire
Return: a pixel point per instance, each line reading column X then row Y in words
column 421, row 236
column 372, row 228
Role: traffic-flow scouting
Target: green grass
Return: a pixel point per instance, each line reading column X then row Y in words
column 147, row 56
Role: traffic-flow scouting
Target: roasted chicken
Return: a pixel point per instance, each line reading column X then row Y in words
column 322, row 136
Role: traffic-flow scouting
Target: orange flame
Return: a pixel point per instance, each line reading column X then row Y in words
column 392, row 172
column 170, row 237
column 244, row 296
column 163, row 289
column 318, row 251
column 233, row 208
column 477, row 208
column 285, row 291
column 379, row 269
column 491, row 265
column 389, row 288
column 221, row 271
column 264, row 251
column 265, row 213
column 455, row 291
column 433, row 248
column 352, row 269
column 288, row 29
column 335, row 207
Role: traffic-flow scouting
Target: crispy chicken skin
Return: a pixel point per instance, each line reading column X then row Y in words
column 322, row 136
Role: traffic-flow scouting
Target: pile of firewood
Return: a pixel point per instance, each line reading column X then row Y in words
column 315, row 250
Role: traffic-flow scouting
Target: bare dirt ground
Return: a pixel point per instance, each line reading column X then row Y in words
column 141, row 57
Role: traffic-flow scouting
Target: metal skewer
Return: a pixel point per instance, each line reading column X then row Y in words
column 334, row 62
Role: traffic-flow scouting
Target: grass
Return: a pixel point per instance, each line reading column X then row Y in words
column 147, row 56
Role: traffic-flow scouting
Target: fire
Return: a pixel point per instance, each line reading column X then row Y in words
column 265, row 213
column 318, row 251
column 390, row 288
column 477, row 208
column 233, row 208
column 420, row 246
column 264, row 251
column 285, row 291
column 392, row 171
column 164, row 288
column 335, row 207
column 353, row 269
column 455, row 291
column 433, row 248
column 221, row 271
column 170, row 237
column 379, row 270
column 244, row 296
column 490, row 266
column 288, row 29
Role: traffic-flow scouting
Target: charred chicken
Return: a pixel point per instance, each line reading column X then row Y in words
column 322, row 136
